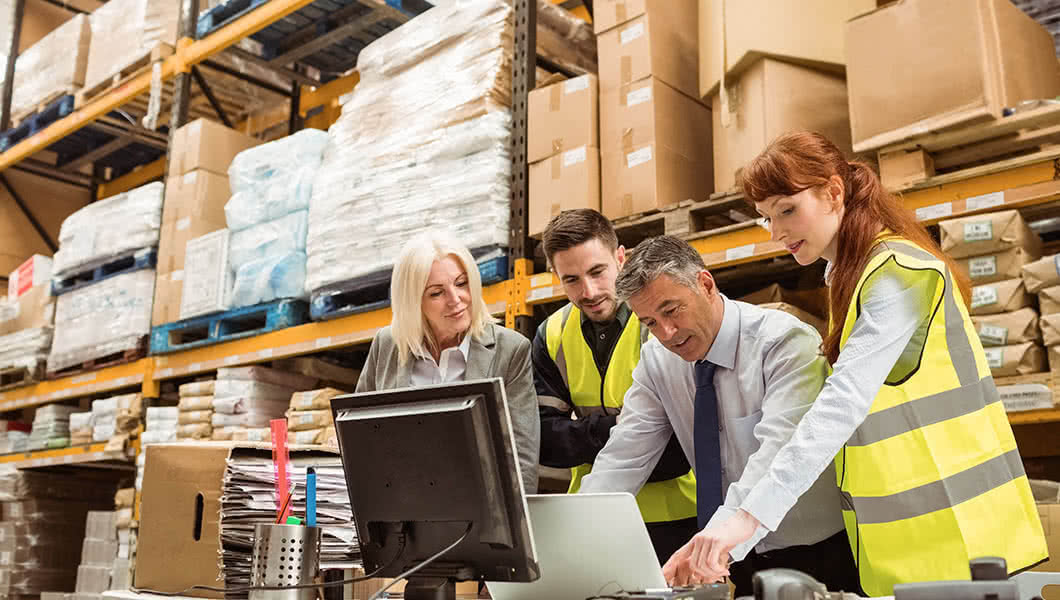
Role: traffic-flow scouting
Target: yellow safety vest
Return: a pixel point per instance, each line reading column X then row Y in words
column 659, row 501
column 932, row 477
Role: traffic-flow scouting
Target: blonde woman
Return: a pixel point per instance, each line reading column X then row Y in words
column 442, row 331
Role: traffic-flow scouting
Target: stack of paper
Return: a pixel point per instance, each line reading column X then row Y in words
column 249, row 497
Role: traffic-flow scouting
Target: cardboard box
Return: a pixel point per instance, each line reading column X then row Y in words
column 127, row 31
column 93, row 579
column 769, row 99
column 648, row 111
column 1001, row 297
column 659, row 42
column 901, row 168
column 34, row 309
column 999, row 266
column 36, row 271
column 204, row 144
column 1049, row 300
column 814, row 302
column 169, row 290
column 194, row 206
column 563, row 182
column 806, row 32
column 181, row 498
column 916, row 66
column 649, row 177
column 1018, row 397
column 1042, row 273
column 1050, row 515
column 1017, row 359
column 987, row 234
column 814, row 321
column 123, row 498
column 563, row 116
column 98, row 553
column 1003, row 329
column 207, row 275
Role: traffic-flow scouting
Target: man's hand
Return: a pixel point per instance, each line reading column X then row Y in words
column 705, row 558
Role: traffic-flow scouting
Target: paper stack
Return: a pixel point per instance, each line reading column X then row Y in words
column 81, row 428
column 51, row 427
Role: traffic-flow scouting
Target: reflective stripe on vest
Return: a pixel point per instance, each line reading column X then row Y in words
column 932, row 477
column 659, row 501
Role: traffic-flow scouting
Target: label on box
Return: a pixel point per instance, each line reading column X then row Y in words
column 177, row 275
column 256, row 435
column 638, row 157
column 935, row 211
column 573, row 157
column 189, row 178
column 740, row 252
column 985, row 201
column 638, row 96
column 576, row 85
column 995, row 357
column 632, row 33
column 306, row 437
column 993, row 335
column 978, row 232
column 1025, row 396
column 183, row 224
column 306, row 420
column 983, row 295
column 985, row 266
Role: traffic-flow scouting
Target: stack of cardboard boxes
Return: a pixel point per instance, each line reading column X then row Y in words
column 98, row 551
column 196, row 192
column 766, row 68
column 26, row 319
column 993, row 248
column 808, row 306
column 655, row 135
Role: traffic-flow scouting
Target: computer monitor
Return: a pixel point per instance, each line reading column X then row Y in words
column 422, row 466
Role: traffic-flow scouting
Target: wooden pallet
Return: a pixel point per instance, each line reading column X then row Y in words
column 125, row 74
column 688, row 219
column 138, row 351
column 12, row 377
column 962, row 149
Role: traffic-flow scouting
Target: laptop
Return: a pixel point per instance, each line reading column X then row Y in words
column 587, row 545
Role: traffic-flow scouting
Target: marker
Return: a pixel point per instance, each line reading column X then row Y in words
column 311, row 497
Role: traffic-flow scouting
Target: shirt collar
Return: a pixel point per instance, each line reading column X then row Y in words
column 828, row 273
column 464, row 348
column 723, row 351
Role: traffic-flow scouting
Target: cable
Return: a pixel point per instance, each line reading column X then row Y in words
column 408, row 573
column 276, row 588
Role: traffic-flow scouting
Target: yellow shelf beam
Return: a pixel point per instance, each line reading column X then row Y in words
column 65, row 456
column 294, row 341
column 83, row 384
column 1031, row 417
column 188, row 53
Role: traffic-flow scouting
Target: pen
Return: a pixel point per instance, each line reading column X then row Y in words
column 311, row 497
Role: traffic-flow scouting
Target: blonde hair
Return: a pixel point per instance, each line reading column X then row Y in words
column 409, row 328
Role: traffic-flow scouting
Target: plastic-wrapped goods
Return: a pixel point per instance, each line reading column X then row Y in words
column 109, row 228
column 159, row 436
column 274, row 179
column 314, row 399
column 160, row 415
column 251, row 389
column 237, row 405
column 54, row 66
column 190, row 417
column 7, row 30
column 564, row 39
column 255, row 434
column 25, row 348
column 13, row 441
column 423, row 142
column 278, row 377
column 128, row 30
column 271, row 239
column 104, row 430
column 247, row 419
column 194, row 431
column 269, row 279
column 197, row 388
column 190, row 403
column 100, row 319
column 309, row 419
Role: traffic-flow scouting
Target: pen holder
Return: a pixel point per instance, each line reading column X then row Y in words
column 284, row 555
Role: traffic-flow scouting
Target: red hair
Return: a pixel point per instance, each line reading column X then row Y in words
column 801, row 160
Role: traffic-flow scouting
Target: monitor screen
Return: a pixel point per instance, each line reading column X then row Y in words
column 425, row 464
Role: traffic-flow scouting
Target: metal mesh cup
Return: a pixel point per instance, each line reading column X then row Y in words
column 284, row 555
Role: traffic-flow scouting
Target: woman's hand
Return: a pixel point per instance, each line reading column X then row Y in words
column 705, row 558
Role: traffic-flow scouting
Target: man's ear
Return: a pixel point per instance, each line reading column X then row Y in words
column 706, row 282
column 620, row 255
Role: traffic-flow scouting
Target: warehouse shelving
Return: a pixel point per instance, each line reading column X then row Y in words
column 95, row 454
column 1019, row 183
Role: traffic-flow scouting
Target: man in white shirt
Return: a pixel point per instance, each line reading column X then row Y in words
column 731, row 381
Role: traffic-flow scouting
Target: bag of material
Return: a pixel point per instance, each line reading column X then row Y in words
column 998, row 266
column 1018, row 359
column 1008, row 328
column 988, row 234
column 1000, row 297
column 1042, row 273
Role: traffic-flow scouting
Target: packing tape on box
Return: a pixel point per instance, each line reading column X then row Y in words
column 557, row 167
column 627, row 204
column 557, row 145
column 620, row 12
column 554, row 209
column 627, row 70
column 554, row 98
column 627, row 140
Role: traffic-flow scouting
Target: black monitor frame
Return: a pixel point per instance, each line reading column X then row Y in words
column 421, row 465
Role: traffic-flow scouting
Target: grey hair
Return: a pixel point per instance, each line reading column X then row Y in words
column 660, row 255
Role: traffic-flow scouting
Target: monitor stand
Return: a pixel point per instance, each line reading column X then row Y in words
column 430, row 588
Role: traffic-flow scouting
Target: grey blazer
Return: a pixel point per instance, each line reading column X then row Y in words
column 500, row 353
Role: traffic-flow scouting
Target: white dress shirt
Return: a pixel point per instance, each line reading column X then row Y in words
column 769, row 370
column 451, row 365
column 888, row 335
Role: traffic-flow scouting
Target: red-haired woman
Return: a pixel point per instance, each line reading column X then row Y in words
column 928, row 469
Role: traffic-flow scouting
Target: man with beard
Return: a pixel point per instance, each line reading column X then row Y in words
column 583, row 358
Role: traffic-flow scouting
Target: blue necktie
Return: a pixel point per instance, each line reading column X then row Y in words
column 708, row 444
